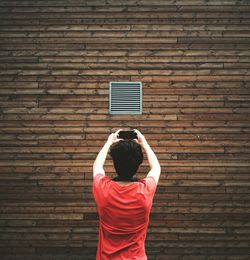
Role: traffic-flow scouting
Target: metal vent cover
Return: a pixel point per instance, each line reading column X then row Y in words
column 125, row 98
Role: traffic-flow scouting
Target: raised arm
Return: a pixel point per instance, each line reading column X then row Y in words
column 101, row 157
column 155, row 168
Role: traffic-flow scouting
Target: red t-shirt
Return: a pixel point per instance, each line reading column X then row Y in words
column 123, row 217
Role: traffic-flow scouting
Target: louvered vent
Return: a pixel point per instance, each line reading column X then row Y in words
column 125, row 98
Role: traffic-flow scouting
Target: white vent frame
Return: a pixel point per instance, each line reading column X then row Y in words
column 131, row 103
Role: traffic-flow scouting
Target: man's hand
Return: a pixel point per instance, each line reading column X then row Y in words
column 113, row 137
column 140, row 138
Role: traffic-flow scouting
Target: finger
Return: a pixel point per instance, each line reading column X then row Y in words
column 117, row 140
column 116, row 132
column 137, row 132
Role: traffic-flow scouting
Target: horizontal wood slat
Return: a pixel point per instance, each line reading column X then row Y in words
column 56, row 61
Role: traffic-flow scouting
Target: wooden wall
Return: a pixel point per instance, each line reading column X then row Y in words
column 56, row 61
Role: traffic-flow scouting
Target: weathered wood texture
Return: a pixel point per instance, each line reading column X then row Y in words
column 56, row 60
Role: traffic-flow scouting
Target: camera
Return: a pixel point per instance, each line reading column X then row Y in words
column 127, row 135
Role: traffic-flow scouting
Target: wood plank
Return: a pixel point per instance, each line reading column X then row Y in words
column 56, row 61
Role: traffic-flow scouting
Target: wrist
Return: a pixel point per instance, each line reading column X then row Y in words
column 108, row 143
column 144, row 144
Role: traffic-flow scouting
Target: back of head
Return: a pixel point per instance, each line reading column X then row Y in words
column 127, row 156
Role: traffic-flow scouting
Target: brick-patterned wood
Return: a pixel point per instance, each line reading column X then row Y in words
column 56, row 61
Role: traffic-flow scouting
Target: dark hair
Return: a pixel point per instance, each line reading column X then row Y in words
column 127, row 156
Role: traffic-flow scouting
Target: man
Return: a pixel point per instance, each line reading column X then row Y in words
column 124, row 203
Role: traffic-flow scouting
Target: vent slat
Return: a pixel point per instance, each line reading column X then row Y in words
column 125, row 98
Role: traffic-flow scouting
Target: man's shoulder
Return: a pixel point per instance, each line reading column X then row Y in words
column 99, row 178
column 149, row 179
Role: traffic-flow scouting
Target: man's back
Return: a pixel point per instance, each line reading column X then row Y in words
column 124, row 217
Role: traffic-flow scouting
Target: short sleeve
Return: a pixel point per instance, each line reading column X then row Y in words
column 147, row 189
column 151, row 185
column 97, row 179
column 99, row 189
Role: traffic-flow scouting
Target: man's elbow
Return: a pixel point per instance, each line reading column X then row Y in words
column 156, row 168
